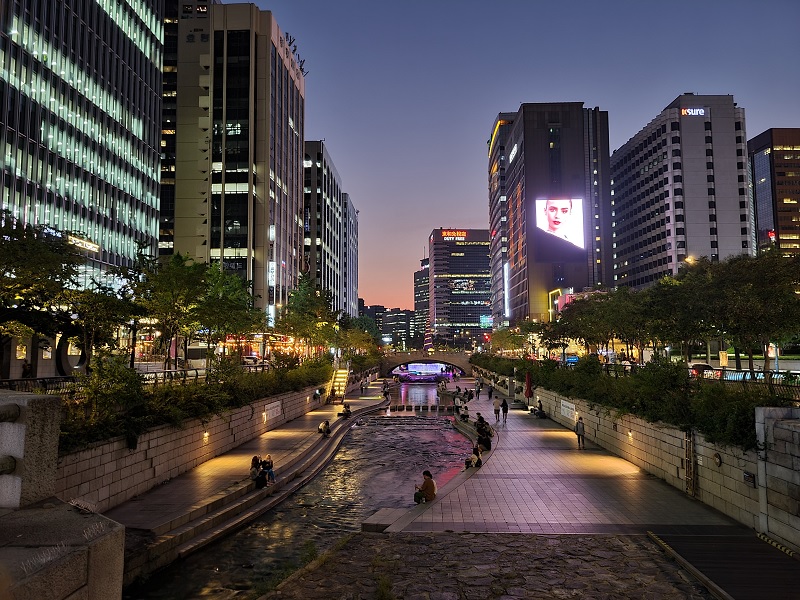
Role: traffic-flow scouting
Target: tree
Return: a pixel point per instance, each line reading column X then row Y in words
column 226, row 307
column 169, row 290
column 97, row 313
column 308, row 316
column 36, row 264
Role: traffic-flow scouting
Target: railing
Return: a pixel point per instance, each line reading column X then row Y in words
column 41, row 385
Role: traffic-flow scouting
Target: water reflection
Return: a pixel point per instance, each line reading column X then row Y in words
column 376, row 467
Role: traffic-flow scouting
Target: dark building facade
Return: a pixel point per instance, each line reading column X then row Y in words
column 681, row 190
column 398, row 328
column 459, row 303
column 330, row 229
column 775, row 166
column 240, row 135
column 422, row 294
column 498, row 219
column 80, row 116
column 556, row 205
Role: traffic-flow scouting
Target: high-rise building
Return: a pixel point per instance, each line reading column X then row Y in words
column 548, row 205
column 80, row 130
column 460, row 292
column 422, row 294
column 330, row 228
column 681, row 190
column 239, row 170
column 775, row 167
column 398, row 328
column 498, row 219
column 350, row 285
column 182, row 19
column 374, row 312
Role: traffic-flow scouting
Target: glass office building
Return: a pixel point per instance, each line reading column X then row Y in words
column 80, row 115
column 459, row 300
column 775, row 165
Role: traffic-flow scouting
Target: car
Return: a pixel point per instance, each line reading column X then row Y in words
column 700, row 370
column 250, row 360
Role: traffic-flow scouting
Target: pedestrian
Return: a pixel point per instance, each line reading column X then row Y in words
column 426, row 491
column 504, row 408
column 579, row 431
column 257, row 474
column 497, row 404
column 477, row 392
column 267, row 466
column 491, row 391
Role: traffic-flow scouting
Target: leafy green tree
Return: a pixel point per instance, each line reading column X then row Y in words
column 97, row 314
column 169, row 290
column 227, row 307
column 308, row 316
column 36, row 264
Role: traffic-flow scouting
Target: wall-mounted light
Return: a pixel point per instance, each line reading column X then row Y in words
column 264, row 414
column 630, row 434
column 205, row 437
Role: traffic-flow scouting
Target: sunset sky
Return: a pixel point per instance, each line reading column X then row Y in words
column 405, row 93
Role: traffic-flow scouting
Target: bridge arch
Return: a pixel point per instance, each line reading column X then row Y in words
column 460, row 360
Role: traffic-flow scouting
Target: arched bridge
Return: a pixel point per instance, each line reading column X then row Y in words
column 457, row 359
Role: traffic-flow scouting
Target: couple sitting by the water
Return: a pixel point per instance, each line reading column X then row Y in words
column 262, row 471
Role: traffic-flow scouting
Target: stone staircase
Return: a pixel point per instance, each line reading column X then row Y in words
column 229, row 509
column 339, row 384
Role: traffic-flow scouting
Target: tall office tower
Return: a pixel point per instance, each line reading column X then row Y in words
column 375, row 312
column 187, row 19
column 554, row 158
column 498, row 219
column 422, row 294
column 775, row 167
column 239, row 171
column 398, row 328
column 350, row 300
column 460, row 292
column 80, row 116
column 330, row 228
column 680, row 190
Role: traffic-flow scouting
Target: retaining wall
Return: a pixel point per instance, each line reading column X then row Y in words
column 758, row 489
column 110, row 473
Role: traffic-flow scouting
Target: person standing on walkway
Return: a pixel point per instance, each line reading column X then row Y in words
column 426, row 491
column 497, row 404
column 504, row 408
column 491, row 391
column 579, row 431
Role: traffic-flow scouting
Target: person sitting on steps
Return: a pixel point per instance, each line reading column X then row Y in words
column 324, row 428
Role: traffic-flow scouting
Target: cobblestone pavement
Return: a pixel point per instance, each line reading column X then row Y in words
column 503, row 566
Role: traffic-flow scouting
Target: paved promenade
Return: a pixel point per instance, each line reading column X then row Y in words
column 564, row 523
column 540, row 519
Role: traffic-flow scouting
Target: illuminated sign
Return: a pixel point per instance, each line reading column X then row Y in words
column 513, row 154
column 271, row 271
column 693, row 112
column 561, row 218
column 85, row 244
column 451, row 235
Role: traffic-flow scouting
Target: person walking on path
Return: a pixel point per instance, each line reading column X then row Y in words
column 497, row 404
column 490, row 390
column 579, row 431
column 426, row 491
column 504, row 408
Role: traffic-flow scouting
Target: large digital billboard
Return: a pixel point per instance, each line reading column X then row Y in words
column 560, row 233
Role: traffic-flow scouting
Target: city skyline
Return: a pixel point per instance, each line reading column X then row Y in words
column 405, row 95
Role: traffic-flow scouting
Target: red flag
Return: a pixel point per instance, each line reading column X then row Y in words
column 528, row 388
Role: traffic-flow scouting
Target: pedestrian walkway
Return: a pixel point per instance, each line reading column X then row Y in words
column 197, row 507
column 536, row 480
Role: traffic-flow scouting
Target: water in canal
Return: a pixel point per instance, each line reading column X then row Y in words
column 376, row 467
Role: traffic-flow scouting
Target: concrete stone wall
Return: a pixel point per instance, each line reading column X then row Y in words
column 760, row 490
column 110, row 473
